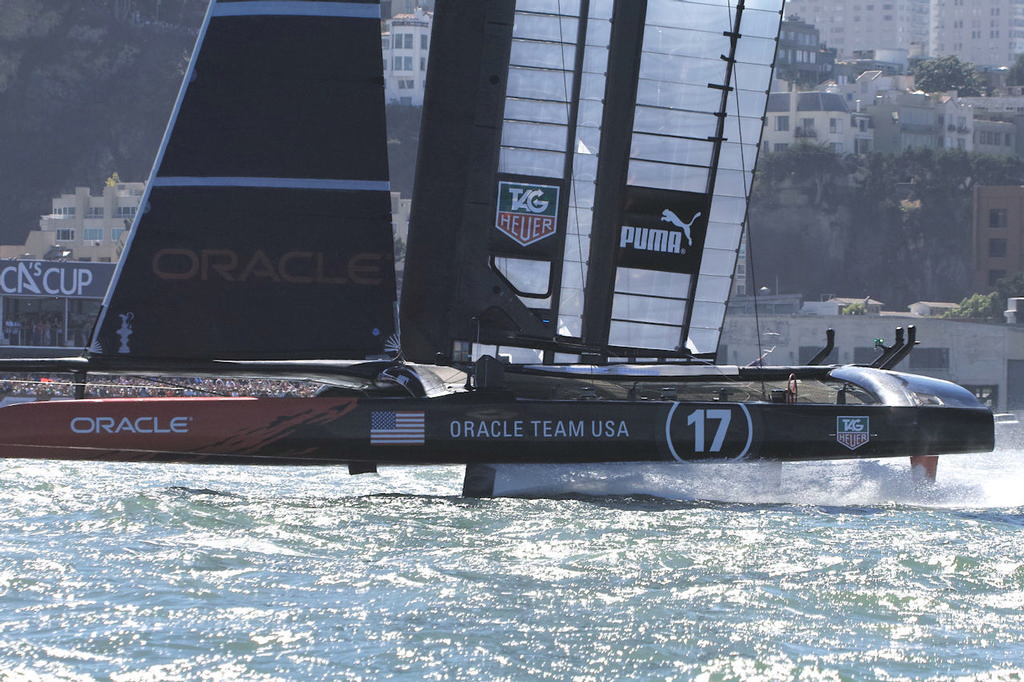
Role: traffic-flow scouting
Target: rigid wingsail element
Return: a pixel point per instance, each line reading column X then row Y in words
column 266, row 228
column 596, row 189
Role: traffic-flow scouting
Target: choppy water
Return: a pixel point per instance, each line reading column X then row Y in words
column 846, row 571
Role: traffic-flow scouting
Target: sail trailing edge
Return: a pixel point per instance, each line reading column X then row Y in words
column 269, row 202
column 598, row 199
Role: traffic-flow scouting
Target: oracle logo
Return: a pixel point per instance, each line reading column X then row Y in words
column 130, row 425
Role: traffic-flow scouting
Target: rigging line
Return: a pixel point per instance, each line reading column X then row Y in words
column 745, row 225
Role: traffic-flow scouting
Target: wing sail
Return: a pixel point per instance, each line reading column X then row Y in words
column 597, row 198
column 266, row 228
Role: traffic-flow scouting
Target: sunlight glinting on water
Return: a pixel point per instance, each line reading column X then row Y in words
column 848, row 570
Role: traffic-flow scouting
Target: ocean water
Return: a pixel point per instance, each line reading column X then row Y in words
column 820, row 571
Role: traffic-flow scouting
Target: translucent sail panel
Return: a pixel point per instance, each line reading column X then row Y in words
column 583, row 179
column 541, row 79
column 576, row 254
column 527, row 277
column 713, row 286
column 648, row 309
column 677, row 114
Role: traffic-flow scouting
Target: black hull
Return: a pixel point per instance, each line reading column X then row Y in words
column 611, row 415
column 474, row 429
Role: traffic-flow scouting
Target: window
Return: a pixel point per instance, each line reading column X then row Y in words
column 997, row 248
column 865, row 355
column 835, row 125
column 987, row 394
column 997, row 217
column 65, row 234
column 126, row 211
column 781, row 146
column 423, row 41
column 929, row 358
column 782, row 123
column 408, row 63
column 64, row 211
column 116, row 232
column 408, row 41
column 93, row 234
column 397, row 64
column 95, row 212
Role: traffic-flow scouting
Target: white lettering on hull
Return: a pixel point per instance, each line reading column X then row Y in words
column 496, row 429
column 114, row 425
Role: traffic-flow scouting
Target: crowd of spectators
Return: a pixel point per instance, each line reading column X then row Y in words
column 34, row 330
column 104, row 386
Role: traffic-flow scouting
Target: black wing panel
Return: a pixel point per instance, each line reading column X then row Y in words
column 266, row 229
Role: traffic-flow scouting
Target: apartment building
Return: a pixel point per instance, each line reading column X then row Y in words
column 984, row 32
column 82, row 226
column 406, row 44
column 821, row 118
column 998, row 231
column 852, row 26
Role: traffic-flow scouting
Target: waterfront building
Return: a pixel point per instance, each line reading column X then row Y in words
column 83, row 226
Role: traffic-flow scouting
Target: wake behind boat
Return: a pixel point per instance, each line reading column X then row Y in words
column 581, row 190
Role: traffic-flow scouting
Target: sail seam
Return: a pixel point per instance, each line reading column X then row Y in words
column 274, row 183
column 293, row 8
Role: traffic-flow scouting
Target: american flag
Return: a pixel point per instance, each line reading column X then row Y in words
column 396, row 428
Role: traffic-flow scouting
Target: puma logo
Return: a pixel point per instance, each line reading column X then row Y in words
column 668, row 216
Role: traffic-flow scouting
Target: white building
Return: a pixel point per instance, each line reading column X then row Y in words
column 820, row 118
column 406, row 43
column 980, row 31
column 856, row 25
column 986, row 358
column 83, row 227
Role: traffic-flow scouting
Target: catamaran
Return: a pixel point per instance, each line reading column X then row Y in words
column 581, row 192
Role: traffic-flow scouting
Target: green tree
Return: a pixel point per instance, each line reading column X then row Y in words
column 1010, row 287
column 857, row 308
column 977, row 307
column 1015, row 75
column 948, row 73
column 991, row 305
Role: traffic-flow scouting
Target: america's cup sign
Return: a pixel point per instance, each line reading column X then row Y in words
column 73, row 279
column 527, row 212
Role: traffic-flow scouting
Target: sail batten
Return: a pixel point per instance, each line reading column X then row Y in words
column 311, row 8
column 275, row 183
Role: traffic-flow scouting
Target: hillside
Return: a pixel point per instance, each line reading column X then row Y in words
column 86, row 89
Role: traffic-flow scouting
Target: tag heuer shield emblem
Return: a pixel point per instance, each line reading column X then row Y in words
column 527, row 213
column 852, row 431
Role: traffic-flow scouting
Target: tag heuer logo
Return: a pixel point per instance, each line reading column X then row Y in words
column 852, row 431
column 527, row 213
